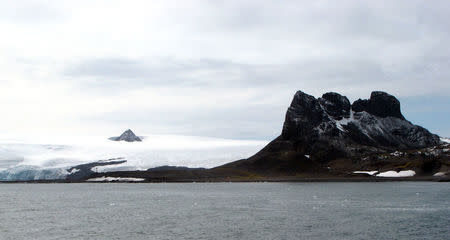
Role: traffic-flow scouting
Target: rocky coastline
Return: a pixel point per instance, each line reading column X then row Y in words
column 322, row 139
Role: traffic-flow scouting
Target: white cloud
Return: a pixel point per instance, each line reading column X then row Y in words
column 218, row 68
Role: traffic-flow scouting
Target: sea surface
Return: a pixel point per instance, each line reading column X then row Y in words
column 387, row 210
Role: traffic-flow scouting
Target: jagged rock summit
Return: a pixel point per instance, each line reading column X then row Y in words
column 319, row 131
column 331, row 123
column 127, row 136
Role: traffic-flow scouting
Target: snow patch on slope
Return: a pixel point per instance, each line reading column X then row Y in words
column 440, row 174
column 371, row 173
column 345, row 121
column 407, row 173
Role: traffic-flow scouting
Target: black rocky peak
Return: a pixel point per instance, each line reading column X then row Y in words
column 336, row 105
column 327, row 122
column 302, row 116
column 127, row 136
column 380, row 104
column 325, row 136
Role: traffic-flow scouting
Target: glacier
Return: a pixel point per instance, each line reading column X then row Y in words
column 47, row 158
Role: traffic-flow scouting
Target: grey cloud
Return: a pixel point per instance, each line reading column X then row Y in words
column 352, row 47
column 107, row 74
column 242, row 121
column 109, row 68
column 391, row 21
column 352, row 77
column 30, row 12
column 367, row 44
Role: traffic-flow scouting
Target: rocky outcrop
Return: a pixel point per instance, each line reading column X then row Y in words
column 375, row 123
column 317, row 131
column 324, row 138
column 335, row 105
column 127, row 136
column 380, row 104
column 83, row 171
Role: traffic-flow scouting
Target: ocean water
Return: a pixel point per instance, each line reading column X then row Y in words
column 388, row 210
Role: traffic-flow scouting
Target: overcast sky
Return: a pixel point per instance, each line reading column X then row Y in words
column 213, row 68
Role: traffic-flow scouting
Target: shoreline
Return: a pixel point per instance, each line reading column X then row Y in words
column 262, row 180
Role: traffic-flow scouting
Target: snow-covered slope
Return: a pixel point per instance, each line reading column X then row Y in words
column 39, row 158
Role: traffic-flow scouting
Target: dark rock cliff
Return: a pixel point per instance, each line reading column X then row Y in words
column 373, row 123
column 318, row 131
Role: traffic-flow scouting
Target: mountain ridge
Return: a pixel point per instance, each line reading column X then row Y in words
column 322, row 139
column 329, row 139
column 328, row 135
column 374, row 122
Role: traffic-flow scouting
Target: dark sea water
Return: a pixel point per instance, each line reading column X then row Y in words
column 389, row 210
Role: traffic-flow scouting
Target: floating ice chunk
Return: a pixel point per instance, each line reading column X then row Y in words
column 111, row 179
column 406, row 173
column 371, row 173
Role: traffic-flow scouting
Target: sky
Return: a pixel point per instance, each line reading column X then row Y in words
column 225, row 69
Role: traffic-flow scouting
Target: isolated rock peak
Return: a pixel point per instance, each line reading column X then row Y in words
column 328, row 136
column 127, row 136
column 331, row 122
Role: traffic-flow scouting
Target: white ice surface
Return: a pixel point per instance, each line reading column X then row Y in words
column 39, row 153
column 407, row 173
column 446, row 140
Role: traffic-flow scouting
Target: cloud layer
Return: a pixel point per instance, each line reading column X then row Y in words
column 213, row 68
